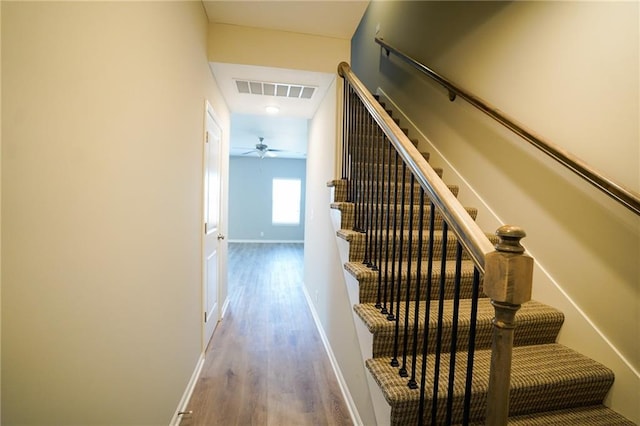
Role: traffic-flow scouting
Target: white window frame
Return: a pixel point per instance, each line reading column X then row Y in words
column 281, row 215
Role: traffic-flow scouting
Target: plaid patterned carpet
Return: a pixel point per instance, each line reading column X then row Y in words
column 550, row 384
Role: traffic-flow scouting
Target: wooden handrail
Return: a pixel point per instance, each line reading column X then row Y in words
column 613, row 189
column 466, row 229
column 507, row 271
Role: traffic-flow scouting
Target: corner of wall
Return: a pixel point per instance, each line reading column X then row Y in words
column 323, row 269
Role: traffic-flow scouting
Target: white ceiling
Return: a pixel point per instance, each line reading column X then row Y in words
column 337, row 18
column 279, row 132
column 288, row 129
column 247, row 103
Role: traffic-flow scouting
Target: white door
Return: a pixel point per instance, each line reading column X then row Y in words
column 213, row 238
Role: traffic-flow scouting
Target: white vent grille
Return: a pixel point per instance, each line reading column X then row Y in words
column 297, row 91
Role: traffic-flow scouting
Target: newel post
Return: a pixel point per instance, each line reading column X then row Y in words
column 507, row 282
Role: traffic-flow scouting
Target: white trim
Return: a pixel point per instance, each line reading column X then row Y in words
column 585, row 317
column 184, row 401
column 225, row 305
column 266, row 241
column 351, row 405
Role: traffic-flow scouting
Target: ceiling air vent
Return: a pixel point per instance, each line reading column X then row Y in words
column 284, row 90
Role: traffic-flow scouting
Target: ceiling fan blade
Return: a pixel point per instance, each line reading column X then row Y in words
column 275, row 150
column 250, row 152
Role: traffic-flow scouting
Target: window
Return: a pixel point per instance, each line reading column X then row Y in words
column 286, row 202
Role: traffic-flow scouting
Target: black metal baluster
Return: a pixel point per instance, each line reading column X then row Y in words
column 394, row 360
column 376, row 202
column 391, row 316
column 405, row 343
column 363, row 169
column 371, row 158
column 386, row 160
column 351, row 187
column 443, row 279
column 427, row 314
column 357, row 152
column 454, row 333
column 416, row 312
column 379, row 212
column 345, row 127
column 368, row 140
column 472, row 346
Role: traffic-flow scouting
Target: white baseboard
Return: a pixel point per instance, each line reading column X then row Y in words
column 184, row 402
column 266, row 241
column 225, row 306
column 351, row 405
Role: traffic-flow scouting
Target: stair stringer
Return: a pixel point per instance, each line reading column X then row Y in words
column 381, row 407
column 579, row 332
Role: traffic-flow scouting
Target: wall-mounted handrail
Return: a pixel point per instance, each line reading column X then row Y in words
column 615, row 190
column 466, row 229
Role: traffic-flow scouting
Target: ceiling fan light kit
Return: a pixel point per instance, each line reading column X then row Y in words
column 262, row 150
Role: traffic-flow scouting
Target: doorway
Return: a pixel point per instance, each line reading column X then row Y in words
column 213, row 238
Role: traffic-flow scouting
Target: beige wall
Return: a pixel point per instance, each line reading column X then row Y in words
column 569, row 71
column 103, row 115
column 323, row 270
column 0, row 216
column 272, row 48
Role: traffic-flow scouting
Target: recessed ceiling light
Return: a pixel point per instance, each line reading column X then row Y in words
column 272, row 109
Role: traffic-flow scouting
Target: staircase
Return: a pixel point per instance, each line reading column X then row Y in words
column 550, row 384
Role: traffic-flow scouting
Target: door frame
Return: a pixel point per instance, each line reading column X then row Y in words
column 221, row 267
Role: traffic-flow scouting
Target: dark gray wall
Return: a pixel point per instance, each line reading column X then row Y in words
column 250, row 198
column 426, row 30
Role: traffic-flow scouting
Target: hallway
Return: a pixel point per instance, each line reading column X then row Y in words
column 266, row 364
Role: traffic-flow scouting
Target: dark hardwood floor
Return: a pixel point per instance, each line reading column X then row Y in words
column 266, row 364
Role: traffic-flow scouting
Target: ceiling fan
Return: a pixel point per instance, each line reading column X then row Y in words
column 262, row 149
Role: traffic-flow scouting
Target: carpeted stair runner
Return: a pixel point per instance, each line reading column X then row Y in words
column 368, row 280
column 347, row 214
column 537, row 324
column 597, row 415
column 543, row 378
column 357, row 244
column 550, row 383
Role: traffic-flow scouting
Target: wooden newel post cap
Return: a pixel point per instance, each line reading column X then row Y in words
column 341, row 67
column 508, row 273
column 510, row 237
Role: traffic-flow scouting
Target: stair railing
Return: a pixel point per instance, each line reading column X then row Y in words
column 610, row 187
column 398, row 198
